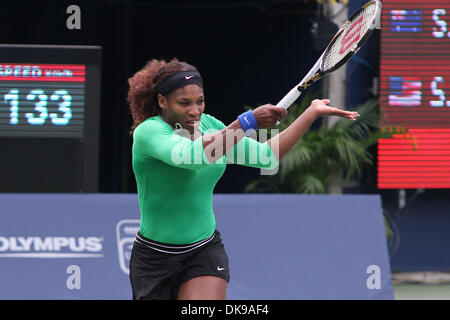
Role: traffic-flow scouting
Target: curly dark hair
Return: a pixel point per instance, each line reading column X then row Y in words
column 141, row 94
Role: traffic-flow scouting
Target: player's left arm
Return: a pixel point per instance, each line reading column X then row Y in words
column 288, row 138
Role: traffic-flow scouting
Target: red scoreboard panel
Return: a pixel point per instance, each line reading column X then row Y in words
column 415, row 94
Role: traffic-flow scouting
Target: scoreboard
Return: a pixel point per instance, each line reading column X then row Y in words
column 415, row 94
column 42, row 100
column 49, row 118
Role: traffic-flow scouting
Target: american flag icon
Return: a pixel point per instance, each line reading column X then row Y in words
column 405, row 91
column 406, row 20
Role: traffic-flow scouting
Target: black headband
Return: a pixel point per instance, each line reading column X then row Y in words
column 178, row 80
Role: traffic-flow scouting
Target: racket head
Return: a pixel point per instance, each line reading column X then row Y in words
column 350, row 37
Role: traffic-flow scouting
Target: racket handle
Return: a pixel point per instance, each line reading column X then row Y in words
column 289, row 99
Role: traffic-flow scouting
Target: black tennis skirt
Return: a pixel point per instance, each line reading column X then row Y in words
column 158, row 269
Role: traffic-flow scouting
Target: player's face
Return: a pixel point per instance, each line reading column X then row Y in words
column 185, row 106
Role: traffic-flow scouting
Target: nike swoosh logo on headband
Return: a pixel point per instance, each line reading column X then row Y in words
column 188, row 77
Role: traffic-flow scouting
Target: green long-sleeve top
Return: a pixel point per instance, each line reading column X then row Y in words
column 175, row 180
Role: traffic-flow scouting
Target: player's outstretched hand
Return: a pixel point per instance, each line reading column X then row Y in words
column 321, row 108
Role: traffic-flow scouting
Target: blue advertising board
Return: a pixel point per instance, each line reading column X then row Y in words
column 77, row 246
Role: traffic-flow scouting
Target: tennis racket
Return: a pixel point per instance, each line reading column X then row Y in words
column 346, row 42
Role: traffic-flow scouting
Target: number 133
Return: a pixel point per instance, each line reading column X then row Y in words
column 41, row 107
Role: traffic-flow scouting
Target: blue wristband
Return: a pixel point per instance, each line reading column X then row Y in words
column 248, row 121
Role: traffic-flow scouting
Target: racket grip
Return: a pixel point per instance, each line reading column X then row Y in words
column 289, row 99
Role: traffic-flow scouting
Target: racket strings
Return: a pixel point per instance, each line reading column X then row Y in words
column 353, row 32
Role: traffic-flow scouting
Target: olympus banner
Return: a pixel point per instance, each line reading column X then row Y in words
column 78, row 246
column 66, row 246
column 51, row 247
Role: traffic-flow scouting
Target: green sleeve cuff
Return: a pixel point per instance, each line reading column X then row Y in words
column 251, row 153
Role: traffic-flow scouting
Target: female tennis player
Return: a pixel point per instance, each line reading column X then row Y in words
column 179, row 154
